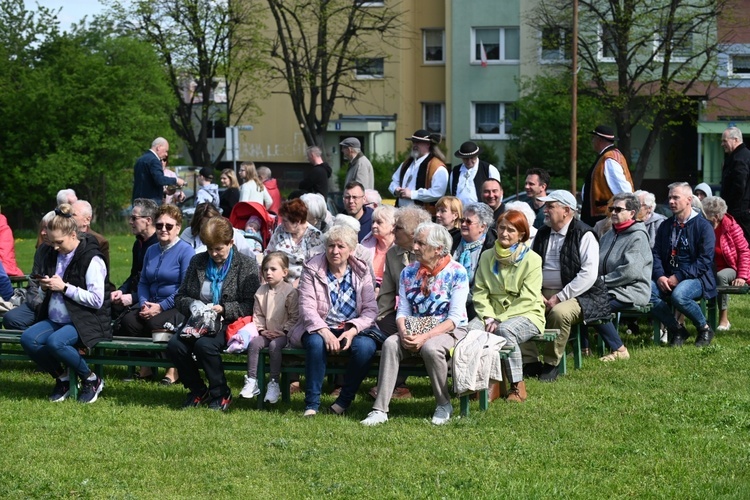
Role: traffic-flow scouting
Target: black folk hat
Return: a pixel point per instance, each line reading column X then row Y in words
column 605, row 133
column 422, row 135
column 467, row 150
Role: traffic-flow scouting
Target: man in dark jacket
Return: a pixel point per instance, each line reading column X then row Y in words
column 149, row 179
column 571, row 286
column 683, row 267
column 735, row 178
column 316, row 177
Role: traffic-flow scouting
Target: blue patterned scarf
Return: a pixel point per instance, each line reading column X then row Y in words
column 216, row 275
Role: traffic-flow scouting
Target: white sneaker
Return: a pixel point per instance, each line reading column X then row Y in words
column 273, row 393
column 664, row 335
column 375, row 417
column 442, row 414
column 250, row 390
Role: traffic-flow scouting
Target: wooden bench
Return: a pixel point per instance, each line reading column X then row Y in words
column 134, row 351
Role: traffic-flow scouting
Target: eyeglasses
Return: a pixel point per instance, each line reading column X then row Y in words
column 350, row 197
column 467, row 221
column 134, row 218
column 616, row 210
column 164, row 225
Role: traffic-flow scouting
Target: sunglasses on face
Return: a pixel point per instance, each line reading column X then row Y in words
column 164, row 225
column 616, row 210
column 467, row 221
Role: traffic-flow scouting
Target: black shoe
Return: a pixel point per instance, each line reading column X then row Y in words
column 61, row 391
column 705, row 336
column 90, row 390
column 548, row 374
column 195, row 398
column 532, row 370
column 679, row 336
column 220, row 403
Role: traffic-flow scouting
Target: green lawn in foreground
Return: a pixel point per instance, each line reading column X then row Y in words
column 668, row 423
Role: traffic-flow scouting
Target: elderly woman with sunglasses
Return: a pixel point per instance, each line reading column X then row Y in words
column 625, row 262
column 164, row 268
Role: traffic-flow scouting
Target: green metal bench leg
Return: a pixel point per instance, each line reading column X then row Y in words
column 286, row 395
column 73, row 384
column 261, row 379
column 657, row 331
column 464, row 406
column 578, row 336
column 484, row 400
column 711, row 317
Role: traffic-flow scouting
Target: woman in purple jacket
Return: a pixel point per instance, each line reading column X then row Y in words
column 336, row 302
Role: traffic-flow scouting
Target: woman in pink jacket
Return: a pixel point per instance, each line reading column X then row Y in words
column 336, row 303
column 732, row 254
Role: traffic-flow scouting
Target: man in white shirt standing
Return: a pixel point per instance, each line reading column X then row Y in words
column 467, row 178
column 423, row 178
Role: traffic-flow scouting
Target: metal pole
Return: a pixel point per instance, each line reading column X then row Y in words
column 574, row 105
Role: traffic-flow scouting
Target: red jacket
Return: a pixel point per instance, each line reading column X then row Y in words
column 7, row 249
column 734, row 246
column 273, row 190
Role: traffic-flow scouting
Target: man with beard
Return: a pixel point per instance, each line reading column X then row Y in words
column 423, row 178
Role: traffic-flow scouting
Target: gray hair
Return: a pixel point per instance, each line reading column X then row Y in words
column 348, row 221
column 524, row 208
column 714, row 206
column 734, row 133
column 342, row 233
column 412, row 216
column 630, row 199
column 66, row 196
column 482, row 211
column 647, row 199
column 265, row 173
column 385, row 213
column 373, row 197
column 316, row 207
column 159, row 141
column 437, row 237
column 83, row 208
column 148, row 207
column 314, row 150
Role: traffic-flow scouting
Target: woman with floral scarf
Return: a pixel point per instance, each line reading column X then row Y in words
column 508, row 292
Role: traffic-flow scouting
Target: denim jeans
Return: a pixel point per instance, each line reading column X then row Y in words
column 683, row 299
column 607, row 331
column 361, row 352
column 19, row 318
column 49, row 344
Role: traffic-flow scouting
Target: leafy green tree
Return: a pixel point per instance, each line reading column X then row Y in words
column 85, row 106
column 207, row 44
column 541, row 132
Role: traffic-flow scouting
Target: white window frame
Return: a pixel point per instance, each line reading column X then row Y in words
column 502, row 134
column 600, row 50
column 501, row 33
column 563, row 33
column 370, row 3
column 371, row 77
column 424, row 45
column 659, row 48
column 442, row 116
column 730, row 66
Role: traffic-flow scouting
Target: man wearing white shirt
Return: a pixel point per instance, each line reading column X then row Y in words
column 467, row 178
column 423, row 178
column 571, row 287
column 608, row 176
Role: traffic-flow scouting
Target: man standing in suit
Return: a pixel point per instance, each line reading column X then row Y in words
column 149, row 179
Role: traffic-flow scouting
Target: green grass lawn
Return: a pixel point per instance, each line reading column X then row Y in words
column 668, row 423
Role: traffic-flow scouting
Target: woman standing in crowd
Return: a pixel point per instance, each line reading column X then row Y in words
column 75, row 308
column 227, row 279
column 253, row 188
column 295, row 237
column 231, row 195
column 507, row 294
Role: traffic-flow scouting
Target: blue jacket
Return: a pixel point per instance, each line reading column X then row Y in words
column 163, row 273
column 149, row 179
column 6, row 287
column 695, row 253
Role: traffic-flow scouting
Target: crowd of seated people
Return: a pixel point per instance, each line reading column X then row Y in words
column 411, row 287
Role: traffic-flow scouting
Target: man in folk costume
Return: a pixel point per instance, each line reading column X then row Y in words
column 468, row 176
column 423, row 178
column 607, row 177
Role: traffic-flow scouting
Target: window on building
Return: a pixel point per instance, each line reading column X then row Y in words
column 739, row 65
column 607, row 47
column 682, row 45
column 433, row 42
column 492, row 120
column 370, row 68
column 557, row 44
column 500, row 44
column 369, row 3
column 433, row 117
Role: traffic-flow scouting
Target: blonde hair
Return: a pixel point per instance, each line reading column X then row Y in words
column 233, row 183
column 252, row 175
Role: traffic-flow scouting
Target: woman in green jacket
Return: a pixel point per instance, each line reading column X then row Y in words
column 507, row 292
